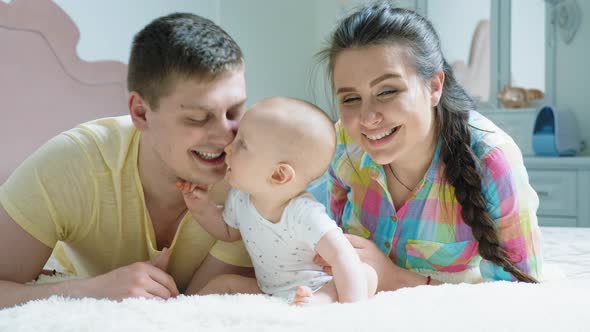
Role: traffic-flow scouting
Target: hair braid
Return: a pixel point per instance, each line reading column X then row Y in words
column 461, row 171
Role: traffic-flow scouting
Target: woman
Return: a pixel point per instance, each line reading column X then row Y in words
column 432, row 190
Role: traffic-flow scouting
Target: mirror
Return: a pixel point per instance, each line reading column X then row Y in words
column 493, row 44
column 527, row 44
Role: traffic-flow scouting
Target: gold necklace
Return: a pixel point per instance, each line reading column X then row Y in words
column 398, row 180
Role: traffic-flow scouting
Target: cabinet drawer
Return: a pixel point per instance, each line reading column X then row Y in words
column 556, row 191
column 557, row 222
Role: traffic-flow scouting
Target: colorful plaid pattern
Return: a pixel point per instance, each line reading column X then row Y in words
column 428, row 232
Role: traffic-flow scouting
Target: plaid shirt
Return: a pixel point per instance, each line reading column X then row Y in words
column 427, row 232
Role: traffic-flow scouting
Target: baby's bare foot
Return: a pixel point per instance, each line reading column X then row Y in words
column 303, row 296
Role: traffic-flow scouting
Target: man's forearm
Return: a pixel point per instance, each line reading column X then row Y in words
column 212, row 267
column 14, row 293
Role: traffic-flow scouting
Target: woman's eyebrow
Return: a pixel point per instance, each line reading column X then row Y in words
column 374, row 82
column 383, row 78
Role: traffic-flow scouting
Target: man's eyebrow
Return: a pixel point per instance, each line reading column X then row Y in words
column 196, row 107
column 206, row 108
column 372, row 83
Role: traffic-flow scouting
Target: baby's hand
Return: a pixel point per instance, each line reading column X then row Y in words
column 195, row 197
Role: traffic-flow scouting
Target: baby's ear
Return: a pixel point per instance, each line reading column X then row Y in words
column 282, row 174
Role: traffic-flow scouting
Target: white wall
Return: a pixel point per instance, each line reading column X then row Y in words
column 107, row 27
column 276, row 39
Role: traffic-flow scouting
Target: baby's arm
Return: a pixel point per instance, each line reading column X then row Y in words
column 207, row 213
column 349, row 274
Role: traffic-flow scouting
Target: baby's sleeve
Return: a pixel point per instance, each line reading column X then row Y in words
column 311, row 221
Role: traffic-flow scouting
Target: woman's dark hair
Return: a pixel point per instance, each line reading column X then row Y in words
column 384, row 24
column 179, row 46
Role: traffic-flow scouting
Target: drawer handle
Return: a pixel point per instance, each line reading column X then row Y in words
column 543, row 193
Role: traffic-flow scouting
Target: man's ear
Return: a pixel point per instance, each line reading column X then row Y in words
column 436, row 87
column 282, row 174
column 138, row 108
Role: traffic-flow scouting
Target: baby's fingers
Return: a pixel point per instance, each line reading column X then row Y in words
column 182, row 185
column 198, row 192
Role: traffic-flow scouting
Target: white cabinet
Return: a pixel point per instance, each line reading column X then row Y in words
column 563, row 186
column 518, row 124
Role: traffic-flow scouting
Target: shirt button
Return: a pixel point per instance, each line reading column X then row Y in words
column 394, row 218
column 387, row 245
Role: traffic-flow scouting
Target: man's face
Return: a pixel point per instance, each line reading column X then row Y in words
column 193, row 125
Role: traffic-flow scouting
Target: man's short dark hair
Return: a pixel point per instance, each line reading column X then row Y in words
column 179, row 46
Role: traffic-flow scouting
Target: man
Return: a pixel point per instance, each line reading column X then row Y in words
column 106, row 189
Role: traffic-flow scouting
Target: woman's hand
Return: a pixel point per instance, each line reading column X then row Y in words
column 391, row 276
column 370, row 254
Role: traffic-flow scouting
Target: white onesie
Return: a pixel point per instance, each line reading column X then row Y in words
column 282, row 253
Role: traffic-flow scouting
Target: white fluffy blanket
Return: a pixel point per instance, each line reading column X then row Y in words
column 500, row 306
column 561, row 304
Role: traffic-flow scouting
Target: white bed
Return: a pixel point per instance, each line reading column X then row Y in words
column 561, row 303
column 568, row 251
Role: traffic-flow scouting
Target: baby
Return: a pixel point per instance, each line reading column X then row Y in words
column 282, row 145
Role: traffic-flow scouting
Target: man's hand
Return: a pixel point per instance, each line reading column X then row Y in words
column 141, row 279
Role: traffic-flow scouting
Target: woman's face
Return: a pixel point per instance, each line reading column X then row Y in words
column 384, row 106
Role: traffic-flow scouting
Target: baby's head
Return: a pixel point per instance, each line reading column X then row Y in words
column 282, row 145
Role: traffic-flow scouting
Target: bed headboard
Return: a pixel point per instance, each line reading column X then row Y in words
column 45, row 88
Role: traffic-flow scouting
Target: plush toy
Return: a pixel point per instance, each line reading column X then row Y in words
column 515, row 97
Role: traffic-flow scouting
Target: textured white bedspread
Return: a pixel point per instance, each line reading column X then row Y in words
column 569, row 250
column 560, row 304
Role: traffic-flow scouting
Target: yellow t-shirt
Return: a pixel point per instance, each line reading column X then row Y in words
column 83, row 188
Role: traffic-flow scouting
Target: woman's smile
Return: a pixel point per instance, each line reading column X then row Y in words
column 382, row 138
